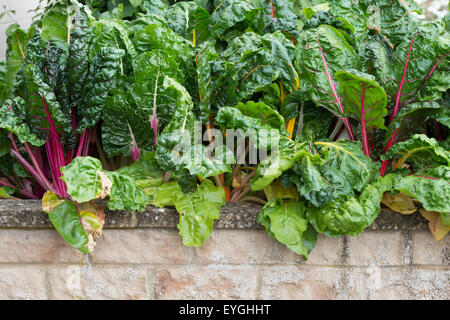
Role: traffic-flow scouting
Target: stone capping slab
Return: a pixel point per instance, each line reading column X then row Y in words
column 29, row 214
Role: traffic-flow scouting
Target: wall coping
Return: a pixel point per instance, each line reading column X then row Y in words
column 29, row 214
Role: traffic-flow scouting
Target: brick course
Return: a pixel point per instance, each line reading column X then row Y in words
column 152, row 263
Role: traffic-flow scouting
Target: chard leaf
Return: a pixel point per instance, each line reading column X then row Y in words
column 364, row 99
column 399, row 202
column 437, row 227
column 208, row 77
column 65, row 218
column 157, row 37
column 197, row 210
column 199, row 162
column 146, row 167
column 155, row 6
column 273, row 166
column 102, row 73
column 286, row 222
column 12, row 118
column 125, row 128
column 7, row 193
column 347, row 156
column 352, row 214
column 252, row 120
column 17, row 43
column 57, row 21
column 320, row 53
column 419, row 64
column 279, row 15
column 419, row 151
column 352, row 17
column 229, row 13
column 410, row 119
column 431, row 187
column 391, row 19
column 86, row 180
column 250, row 64
column 125, row 194
column 263, row 113
column 189, row 20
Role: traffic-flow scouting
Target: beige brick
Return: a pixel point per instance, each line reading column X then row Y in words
column 427, row 284
column 36, row 246
column 256, row 247
column 376, row 283
column 99, row 282
column 426, row 251
column 300, row 282
column 147, row 246
column 207, row 282
column 237, row 247
column 326, row 252
column 382, row 248
column 19, row 282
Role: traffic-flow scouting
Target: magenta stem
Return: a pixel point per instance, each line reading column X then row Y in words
column 333, row 88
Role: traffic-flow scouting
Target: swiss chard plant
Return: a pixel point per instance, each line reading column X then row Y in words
column 345, row 105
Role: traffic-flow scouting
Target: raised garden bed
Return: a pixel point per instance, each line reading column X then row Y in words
column 29, row 214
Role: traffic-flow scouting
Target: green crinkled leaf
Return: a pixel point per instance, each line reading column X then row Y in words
column 199, row 162
column 347, row 156
column 125, row 194
column 157, row 37
column 155, row 6
column 125, row 127
column 279, row 15
column 350, row 215
column 85, row 179
column 229, row 13
column 277, row 162
column 198, row 209
column 12, row 119
column 102, row 73
column 431, row 187
column 250, row 64
column 410, row 119
column 7, row 193
column 57, row 22
column 253, row 126
column 338, row 55
column 364, row 99
column 286, row 222
column 263, row 113
column 66, row 220
column 391, row 20
column 419, row 151
column 17, row 42
column 184, row 17
column 425, row 76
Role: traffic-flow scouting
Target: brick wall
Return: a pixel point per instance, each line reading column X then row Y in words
column 152, row 263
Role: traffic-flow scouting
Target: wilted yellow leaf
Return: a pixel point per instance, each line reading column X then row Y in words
column 400, row 202
column 50, row 201
column 437, row 228
column 92, row 218
column 277, row 190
